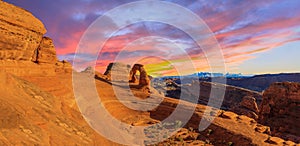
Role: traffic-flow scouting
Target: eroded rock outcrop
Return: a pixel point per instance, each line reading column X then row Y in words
column 117, row 71
column 24, row 51
column 280, row 109
column 143, row 79
column 46, row 52
column 21, row 33
column 247, row 107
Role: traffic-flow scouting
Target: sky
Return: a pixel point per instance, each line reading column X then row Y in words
column 255, row 37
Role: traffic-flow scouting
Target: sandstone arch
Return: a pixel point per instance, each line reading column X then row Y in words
column 144, row 79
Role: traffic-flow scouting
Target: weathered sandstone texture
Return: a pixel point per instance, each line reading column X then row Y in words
column 46, row 52
column 117, row 72
column 24, row 51
column 21, row 33
column 280, row 109
column 247, row 107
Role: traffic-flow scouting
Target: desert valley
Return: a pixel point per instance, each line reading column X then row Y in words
column 38, row 105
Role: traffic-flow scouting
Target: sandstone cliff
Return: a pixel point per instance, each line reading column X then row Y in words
column 21, row 33
column 45, row 53
column 280, row 109
column 23, row 47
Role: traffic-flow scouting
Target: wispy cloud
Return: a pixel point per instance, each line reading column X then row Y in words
column 243, row 29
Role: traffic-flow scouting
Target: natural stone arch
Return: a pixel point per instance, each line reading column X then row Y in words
column 144, row 78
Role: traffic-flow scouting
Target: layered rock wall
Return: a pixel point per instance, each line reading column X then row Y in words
column 21, row 33
column 24, row 51
column 45, row 53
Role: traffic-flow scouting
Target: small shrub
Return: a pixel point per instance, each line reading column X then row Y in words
column 209, row 131
column 191, row 129
column 207, row 141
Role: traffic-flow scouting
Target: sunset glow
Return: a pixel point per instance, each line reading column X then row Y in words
column 245, row 30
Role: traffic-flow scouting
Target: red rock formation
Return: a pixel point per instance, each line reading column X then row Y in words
column 122, row 72
column 280, row 109
column 132, row 76
column 41, row 110
column 22, row 45
column 144, row 79
column 21, row 33
column 118, row 71
column 46, row 52
column 247, row 107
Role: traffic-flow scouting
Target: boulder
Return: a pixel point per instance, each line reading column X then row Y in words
column 247, row 107
column 228, row 115
column 275, row 141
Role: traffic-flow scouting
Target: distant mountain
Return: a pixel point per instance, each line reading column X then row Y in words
column 210, row 75
column 261, row 82
column 255, row 83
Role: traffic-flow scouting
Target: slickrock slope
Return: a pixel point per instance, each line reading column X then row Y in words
column 46, row 114
column 31, row 116
column 228, row 128
column 280, row 110
column 37, row 106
